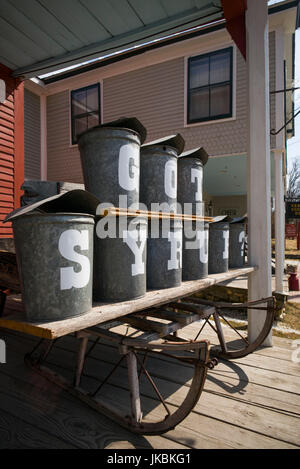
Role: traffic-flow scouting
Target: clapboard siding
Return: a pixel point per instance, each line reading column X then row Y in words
column 7, row 143
column 153, row 94
column 32, row 130
column 11, row 148
column 63, row 159
column 156, row 96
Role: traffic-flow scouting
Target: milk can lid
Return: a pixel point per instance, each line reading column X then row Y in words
column 75, row 201
column 239, row 220
column 221, row 218
column 131, row 123
column 175, row 141
column 199, row 153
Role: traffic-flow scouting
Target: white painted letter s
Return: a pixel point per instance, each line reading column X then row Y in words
column 67, row 242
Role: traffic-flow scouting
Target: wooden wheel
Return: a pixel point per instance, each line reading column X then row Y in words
column 225, row 321
column 132, row 350
column 135, row 420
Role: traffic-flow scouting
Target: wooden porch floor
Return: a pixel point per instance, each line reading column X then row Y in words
column 252, row 402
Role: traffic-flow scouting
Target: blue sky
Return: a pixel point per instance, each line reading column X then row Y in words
column 293, row 146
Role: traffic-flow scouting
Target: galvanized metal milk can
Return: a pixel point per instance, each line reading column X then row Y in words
column 164, row 254
column 110, row 158
column 158, row 178
column 218, row 246
column 195, row 250
column 55, row 262
column 190, row 199
column 120, row 258
column 237, row 233
column 190, row 179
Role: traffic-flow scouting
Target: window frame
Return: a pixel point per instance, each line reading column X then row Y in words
column 72, row 117
column 211, row 118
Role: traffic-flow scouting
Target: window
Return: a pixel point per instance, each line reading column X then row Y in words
column 85, row 109
column 210, row 86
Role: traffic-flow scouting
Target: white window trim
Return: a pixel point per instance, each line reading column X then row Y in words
column 90, row 83
column 234, row 80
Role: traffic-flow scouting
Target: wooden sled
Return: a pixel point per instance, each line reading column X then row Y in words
column 134, row 351
column 157, row 319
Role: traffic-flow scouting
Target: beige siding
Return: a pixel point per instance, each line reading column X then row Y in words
column 63, row 159
column 155, row 95
column 32, row 135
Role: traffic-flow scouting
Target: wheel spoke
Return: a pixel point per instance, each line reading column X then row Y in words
column 154, row 386
column 92, row 346
column 108, row 376
column 212, row 327
column 202, row 327
column 144, row 361
column 235, row 330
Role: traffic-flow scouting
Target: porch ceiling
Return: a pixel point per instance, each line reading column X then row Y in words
column 41, row 36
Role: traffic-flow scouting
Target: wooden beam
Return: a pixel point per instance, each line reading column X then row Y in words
column 80, row 359
column 175, row 316
column 145, row 324
column 134, row 387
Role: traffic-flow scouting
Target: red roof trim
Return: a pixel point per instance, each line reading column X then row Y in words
column 234, row 13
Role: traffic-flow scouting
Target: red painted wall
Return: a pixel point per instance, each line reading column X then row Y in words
column 11, row 148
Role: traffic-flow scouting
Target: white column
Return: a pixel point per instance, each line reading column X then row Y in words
column 278, row 157
column 279, row 221
column 43, row 123
column 259, row 172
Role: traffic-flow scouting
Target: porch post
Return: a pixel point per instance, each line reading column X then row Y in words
column 259, row 190
column 278, row 159
column 279, row 222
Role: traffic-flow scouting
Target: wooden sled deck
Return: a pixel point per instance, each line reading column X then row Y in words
column 14, row 318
